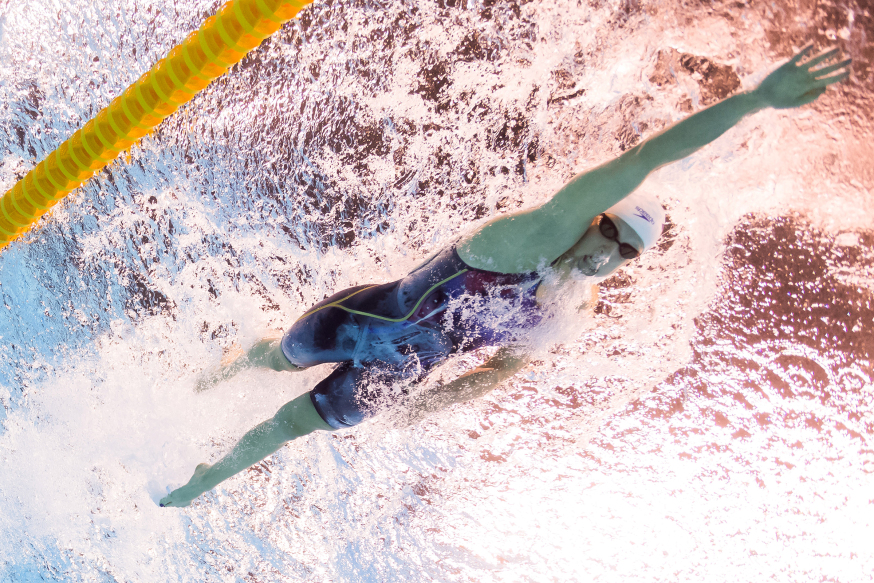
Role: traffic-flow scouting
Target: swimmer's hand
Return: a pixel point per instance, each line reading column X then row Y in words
column 183, row 496
column 794, row 84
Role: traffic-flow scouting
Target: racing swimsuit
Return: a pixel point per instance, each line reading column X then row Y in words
column 398, row 331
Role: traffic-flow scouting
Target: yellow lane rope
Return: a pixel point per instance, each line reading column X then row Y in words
column 223, row 40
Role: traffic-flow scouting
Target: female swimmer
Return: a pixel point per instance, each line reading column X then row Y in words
column 390, row 335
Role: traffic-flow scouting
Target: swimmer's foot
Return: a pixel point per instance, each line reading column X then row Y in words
column 183, row 496
column 233, row 361
column 266, row 353
column 231, row 355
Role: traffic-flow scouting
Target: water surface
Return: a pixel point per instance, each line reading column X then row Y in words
column 712, row 421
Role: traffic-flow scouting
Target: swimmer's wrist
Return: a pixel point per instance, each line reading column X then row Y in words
column 757, row 100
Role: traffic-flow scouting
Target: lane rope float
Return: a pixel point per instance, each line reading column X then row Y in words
column 206, row 54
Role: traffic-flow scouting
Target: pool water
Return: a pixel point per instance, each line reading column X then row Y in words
column 711, row 421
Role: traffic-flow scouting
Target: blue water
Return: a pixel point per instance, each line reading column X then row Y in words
column 711, row 421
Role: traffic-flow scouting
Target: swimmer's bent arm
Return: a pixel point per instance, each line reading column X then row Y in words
column 525, row 241
column 505, row 363
column 471, row 385
column 296, row 418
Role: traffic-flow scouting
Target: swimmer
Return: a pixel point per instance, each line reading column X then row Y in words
column 387, row 337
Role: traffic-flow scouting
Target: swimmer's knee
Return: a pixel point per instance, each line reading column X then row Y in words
column 277, row 360
column 299, row 417
column 268, row 353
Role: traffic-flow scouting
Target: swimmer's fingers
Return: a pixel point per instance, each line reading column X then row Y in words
column 793, row 84
column 822, row 73
column 826, row 81
column 800, row 55
column 820, row 58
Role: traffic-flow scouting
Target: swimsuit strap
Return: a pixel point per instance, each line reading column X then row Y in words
column 338, row 303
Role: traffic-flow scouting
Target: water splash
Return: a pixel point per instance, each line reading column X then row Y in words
column 343, row 151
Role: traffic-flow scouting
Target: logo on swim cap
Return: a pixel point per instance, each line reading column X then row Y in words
column 644, row 215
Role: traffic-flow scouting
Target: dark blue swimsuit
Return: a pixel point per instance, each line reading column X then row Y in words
column 399, row 331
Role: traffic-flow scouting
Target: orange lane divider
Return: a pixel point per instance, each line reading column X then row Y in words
column 222, row 41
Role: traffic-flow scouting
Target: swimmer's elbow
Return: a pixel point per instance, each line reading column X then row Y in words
column 644, row 158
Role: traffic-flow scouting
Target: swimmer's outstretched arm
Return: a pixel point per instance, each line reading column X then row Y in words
column 525, row 241
column 296, row 418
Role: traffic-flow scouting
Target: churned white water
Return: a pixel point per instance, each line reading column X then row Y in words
column 711, row 421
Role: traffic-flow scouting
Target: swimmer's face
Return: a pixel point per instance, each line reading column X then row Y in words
column 594, row 255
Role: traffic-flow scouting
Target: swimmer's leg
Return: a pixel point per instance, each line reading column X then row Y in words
column 266, row 353
column 294, row 419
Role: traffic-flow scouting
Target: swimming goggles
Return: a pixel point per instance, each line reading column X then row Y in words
column 609, row 231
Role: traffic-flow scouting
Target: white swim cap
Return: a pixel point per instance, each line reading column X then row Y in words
column 643, row 213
